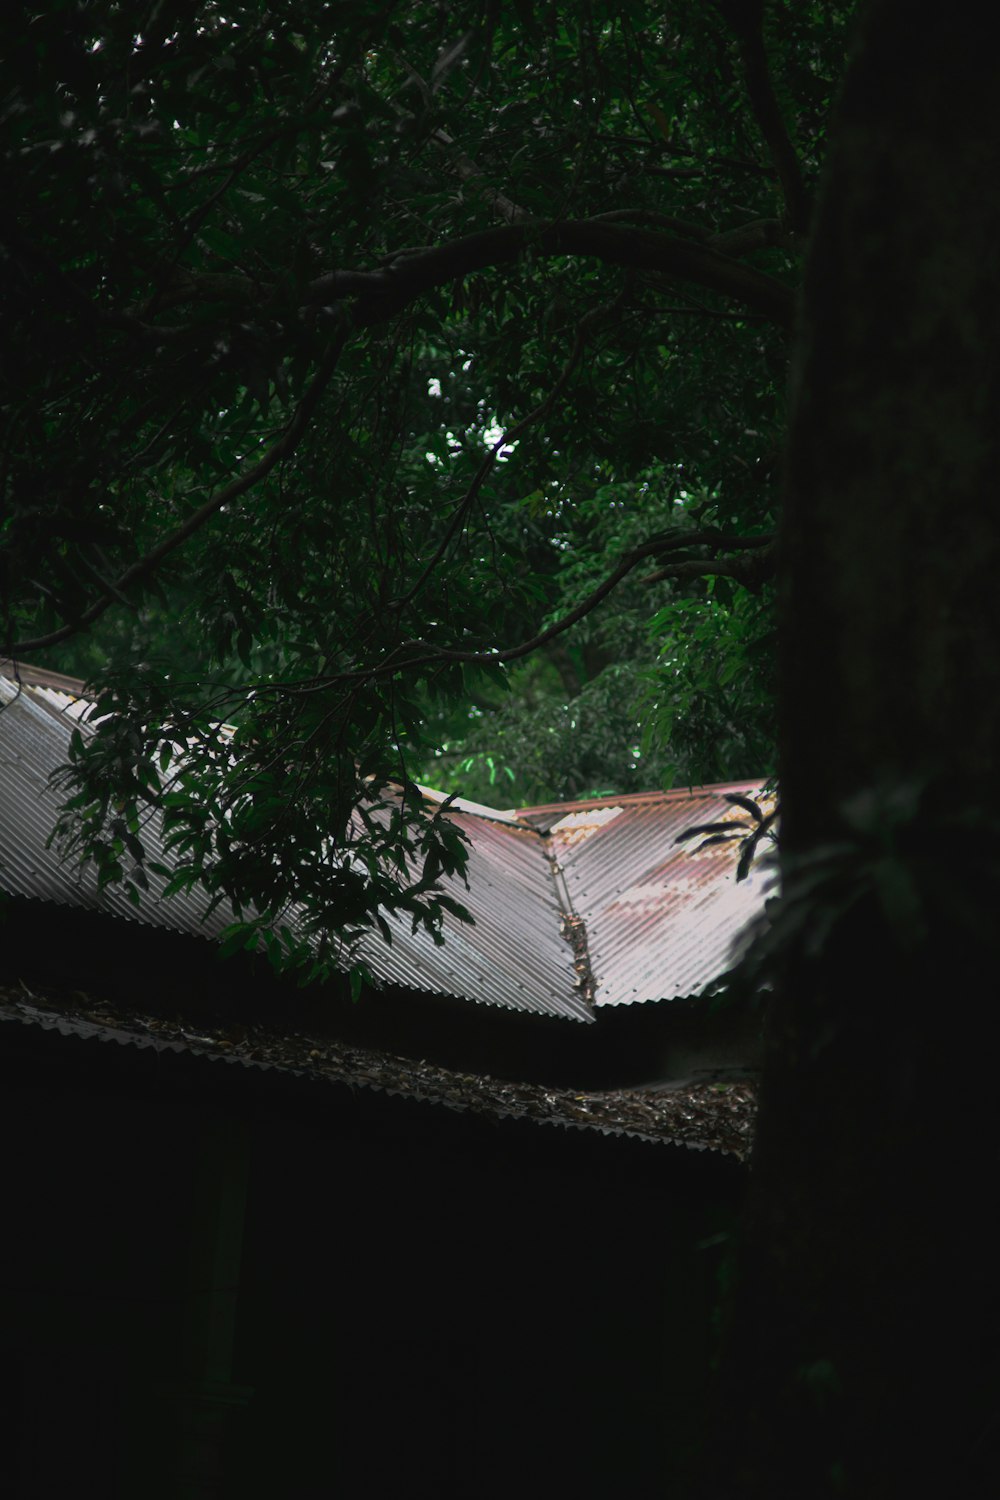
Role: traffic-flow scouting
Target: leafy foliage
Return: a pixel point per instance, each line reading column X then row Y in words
column 750, row 831
column 402, row 386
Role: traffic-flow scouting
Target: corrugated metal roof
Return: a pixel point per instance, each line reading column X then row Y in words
column 660, row 918
column 35, row 729
column 515, row 954
column 575, row 905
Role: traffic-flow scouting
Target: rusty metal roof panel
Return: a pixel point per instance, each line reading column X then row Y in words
column 662, row 920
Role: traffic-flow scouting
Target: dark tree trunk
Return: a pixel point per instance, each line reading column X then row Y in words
column 864, row 1355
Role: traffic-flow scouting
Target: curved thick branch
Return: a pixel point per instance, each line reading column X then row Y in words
column 759, row 234
column 381, row 294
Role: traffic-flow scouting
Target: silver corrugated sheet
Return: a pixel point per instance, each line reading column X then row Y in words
column 35, row 729
column 575, row 906
column 515, row 955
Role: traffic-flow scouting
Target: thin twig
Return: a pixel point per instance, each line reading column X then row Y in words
column 398, row 661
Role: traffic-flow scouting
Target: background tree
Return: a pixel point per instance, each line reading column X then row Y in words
column 367, row 362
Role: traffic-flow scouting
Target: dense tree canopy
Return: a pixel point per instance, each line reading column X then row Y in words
column 402, row 385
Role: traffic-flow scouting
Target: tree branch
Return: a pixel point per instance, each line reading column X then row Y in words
column 147, row 564
column 745, row 18
column 654, row 218
column 469, row 172
column 751, row 570
column 760, row 234
column 381, row 294
column 398, row 661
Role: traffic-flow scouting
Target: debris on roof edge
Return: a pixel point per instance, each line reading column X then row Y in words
column 701, row 1116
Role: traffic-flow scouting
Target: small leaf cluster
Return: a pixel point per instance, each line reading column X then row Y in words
column 748, row 832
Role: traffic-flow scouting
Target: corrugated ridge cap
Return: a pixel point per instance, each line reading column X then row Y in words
column 545, row 814
column 33, row 676
column 508, row 816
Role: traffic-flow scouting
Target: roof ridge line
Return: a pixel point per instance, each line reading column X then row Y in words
column 22, row 671
column 617, row 799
